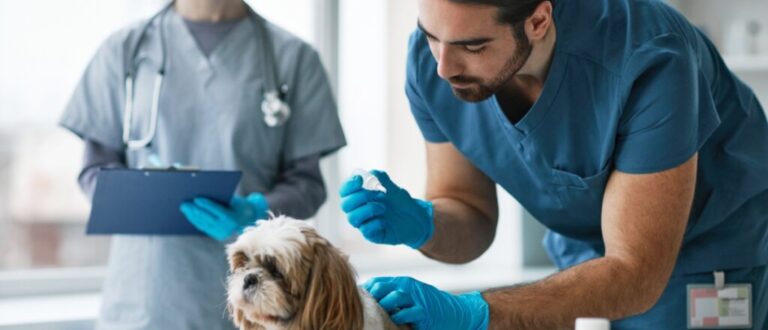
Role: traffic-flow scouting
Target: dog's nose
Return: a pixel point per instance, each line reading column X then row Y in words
column 250, row 280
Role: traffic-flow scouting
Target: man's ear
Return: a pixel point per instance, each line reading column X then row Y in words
column 537, row 25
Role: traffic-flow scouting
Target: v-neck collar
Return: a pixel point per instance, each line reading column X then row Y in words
column 209, row 35
column 541, row 107
column 189, row 45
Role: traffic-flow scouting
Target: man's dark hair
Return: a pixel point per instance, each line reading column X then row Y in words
column 512, row 12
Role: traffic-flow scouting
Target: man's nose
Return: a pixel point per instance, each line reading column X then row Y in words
column 447, row 64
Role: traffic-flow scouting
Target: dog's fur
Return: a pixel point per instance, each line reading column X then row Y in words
column 283, row 275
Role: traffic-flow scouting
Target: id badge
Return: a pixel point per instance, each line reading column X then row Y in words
column 728, row 307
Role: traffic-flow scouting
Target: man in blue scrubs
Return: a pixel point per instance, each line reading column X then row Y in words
column 617, row 124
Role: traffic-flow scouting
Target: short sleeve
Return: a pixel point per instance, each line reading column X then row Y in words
column 314, row 127
column 429, row 129
column 94, row 110
column 669, row 112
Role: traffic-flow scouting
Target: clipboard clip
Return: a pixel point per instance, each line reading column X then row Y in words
column 175, row 167
column 157, row 165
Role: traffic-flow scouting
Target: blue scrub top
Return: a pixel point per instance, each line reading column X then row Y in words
column 633, row 87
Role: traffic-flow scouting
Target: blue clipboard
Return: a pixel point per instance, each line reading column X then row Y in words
column 146, row 202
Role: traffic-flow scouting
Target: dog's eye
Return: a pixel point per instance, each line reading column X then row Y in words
column 276, row 274
column 273, row 271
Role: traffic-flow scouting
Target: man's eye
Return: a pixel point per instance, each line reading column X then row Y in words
column 475, row 49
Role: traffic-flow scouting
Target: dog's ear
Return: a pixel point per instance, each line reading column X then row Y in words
column 331, row 298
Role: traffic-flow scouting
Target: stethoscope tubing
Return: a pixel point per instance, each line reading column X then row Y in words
column 276, row 110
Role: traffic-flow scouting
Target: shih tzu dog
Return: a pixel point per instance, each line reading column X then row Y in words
column 284, row 275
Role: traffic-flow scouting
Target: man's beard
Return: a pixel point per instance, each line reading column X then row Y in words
column 480, row 91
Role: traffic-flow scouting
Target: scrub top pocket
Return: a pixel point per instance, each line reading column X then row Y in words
column 571, row 181
column 581, row 197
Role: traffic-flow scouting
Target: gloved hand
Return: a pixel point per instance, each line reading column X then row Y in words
column 393, row 217
column 423, row 306
column 220, row 221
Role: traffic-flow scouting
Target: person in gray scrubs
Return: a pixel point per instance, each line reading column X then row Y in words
column 209, row 116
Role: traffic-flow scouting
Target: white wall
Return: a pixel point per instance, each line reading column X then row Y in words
column 406, row 145
column 725, row 23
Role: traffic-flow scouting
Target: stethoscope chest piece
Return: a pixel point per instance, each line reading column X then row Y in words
column 276, row 111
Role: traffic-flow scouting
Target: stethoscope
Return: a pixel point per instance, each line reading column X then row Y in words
column 276, row 110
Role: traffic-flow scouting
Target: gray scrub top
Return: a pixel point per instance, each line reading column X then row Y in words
column 209, row 116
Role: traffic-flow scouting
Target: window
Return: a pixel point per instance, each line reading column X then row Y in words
column 42, row 212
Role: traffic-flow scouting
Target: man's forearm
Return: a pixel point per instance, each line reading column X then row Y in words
column 459, row 237
column 604, row 287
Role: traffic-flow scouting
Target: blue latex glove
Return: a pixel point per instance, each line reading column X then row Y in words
column 220, row 221
column 423, row 306
column 393, row 217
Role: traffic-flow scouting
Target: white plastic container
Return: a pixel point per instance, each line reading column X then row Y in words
column 592, row 323
column 370, row 181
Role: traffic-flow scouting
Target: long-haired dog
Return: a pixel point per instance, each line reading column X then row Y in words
column 283, row 275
